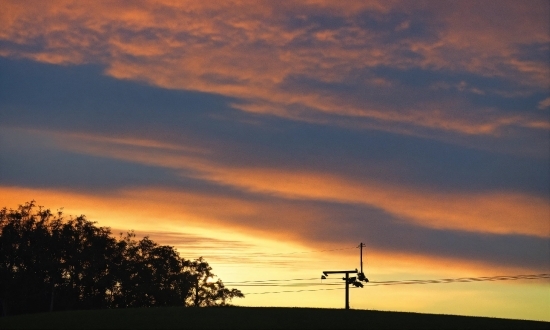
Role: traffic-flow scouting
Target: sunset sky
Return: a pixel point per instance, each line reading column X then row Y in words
column 272, row 137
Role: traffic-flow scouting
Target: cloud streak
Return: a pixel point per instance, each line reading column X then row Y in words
column 298, row 205
column 322, row 67
column 237, row 129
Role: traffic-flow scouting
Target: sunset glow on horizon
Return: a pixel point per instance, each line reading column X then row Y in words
column 272, row 138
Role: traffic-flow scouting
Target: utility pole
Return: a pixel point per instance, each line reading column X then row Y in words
column 361, row 276
column 361, row 255
column 347, row 279
column 356, row 281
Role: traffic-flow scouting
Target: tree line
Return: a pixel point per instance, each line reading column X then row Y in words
column 50, row 263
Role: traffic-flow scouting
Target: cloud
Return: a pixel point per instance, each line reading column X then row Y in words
column 254, row 52
column 490, row 212
column 412, row 126
column 487, row 211
column 185, row 185
column 309, row 223
column 544, row 104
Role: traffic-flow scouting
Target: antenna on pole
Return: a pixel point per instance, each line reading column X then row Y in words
column 347, row 279
column 361, row 276
column 355, row 281
column 361, row 255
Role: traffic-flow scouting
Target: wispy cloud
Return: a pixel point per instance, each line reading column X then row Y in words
column 496, row 211
column 418, row 128
column 282, row 62
column 544, row 104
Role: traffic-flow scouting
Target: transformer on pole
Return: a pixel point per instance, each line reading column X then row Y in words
column 355, row 281
column 347, row 279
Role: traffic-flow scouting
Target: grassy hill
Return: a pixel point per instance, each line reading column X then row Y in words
column 255, row 318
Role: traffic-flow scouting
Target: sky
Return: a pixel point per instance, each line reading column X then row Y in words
column 273, row 137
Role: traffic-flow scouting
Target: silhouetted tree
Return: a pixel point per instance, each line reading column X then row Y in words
column 50, row 263
column 150, row 274
column 86, row 256
column 26, row 259
column 204, row 291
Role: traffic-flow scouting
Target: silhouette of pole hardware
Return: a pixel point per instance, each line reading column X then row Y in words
column 361, row 275
column 355, row 281
column 361, row 245
column 347, row 279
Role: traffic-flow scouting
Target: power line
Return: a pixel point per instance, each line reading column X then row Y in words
column 286, row 280
column 262, row 254
column 286, row 291
column 280, row 280
column 437, row 281
column 290, row 285
column 463, row 280
column 316, row 251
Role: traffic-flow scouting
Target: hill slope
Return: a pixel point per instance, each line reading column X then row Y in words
column 255, row 318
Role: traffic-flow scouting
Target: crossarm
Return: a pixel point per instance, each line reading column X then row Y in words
column 326, row 272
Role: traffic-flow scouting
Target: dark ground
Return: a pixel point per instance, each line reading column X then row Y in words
column 255, row 318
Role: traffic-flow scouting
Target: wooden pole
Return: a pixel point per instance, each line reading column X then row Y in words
column 347, row 290
column 361, row 248
column 347, row 272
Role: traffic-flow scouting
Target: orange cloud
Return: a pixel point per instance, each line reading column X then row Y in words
column 544, row 104
column 479, row 31
column 500, row 212
column 493, row 212
column 189, row 220
column 249, row 50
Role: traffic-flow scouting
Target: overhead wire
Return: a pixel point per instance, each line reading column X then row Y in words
column 329, row 250
column 281, row 282
column 262, row 254
column 290, row 285
column 462, row 280
column 278, row 280
column 409, row 282
column 231, row 258
column 288, row 291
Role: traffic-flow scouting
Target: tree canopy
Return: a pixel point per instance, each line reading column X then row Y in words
column 51, row 263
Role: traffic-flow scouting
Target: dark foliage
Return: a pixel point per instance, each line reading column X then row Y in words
column 49, row 263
